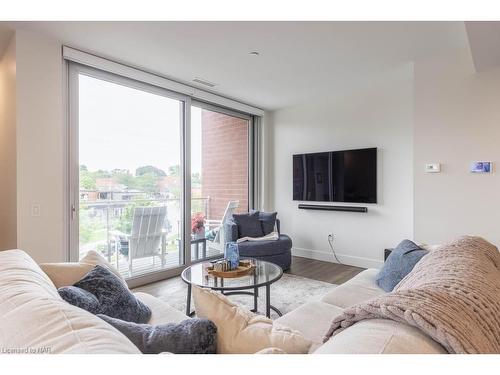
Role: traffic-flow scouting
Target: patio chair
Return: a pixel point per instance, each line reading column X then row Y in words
column 218, row 242
column 147, row 234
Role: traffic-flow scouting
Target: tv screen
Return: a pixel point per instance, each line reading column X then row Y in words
column 336, row 176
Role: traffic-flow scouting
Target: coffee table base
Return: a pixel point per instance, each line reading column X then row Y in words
column 255, row 295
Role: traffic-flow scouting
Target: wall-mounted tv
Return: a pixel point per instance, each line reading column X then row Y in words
column 336, row 176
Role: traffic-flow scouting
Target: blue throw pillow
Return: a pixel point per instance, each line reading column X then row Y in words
column 101, row 292
column 267, row 221
column 191, row 336
column 399, row 264
column 248, row 224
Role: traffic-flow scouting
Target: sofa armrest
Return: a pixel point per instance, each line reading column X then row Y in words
column 278, row 226
column 230, row 231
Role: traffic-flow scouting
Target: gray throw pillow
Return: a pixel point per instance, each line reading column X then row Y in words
column 80, row 298
column 399, row 264
column 268, row 221
column 248, row 224
column 111, row 294
column 191, row 336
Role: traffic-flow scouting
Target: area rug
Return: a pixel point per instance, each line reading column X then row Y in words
column 287, row 294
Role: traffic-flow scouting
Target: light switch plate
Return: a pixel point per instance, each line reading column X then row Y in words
column 433, row 167
column 35, row 210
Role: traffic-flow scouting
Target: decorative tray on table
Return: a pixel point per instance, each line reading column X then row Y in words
column 245, row 267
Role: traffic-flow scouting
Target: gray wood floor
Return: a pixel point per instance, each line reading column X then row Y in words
column 313, row 269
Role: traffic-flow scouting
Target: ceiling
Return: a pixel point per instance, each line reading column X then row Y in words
column 483, row 40
column 298, row 60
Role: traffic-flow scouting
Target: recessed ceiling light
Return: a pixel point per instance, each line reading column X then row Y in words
column 254, row 53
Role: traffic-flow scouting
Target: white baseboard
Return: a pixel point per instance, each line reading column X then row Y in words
column 346, row 259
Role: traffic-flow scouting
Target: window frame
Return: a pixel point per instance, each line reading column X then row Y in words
column 73, row 70
column 252, row 145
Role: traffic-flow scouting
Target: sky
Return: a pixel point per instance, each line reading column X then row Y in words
column 125, row 128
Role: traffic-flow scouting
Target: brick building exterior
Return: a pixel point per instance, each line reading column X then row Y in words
column 224, row 165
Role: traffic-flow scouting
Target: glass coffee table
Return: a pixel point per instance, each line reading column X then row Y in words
column 264, row 274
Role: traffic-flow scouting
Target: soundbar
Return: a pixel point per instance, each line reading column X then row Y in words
column 332, row 208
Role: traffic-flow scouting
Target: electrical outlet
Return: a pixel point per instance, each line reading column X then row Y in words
column 331, row 243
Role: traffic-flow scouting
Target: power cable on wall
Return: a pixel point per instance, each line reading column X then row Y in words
column 330, row 242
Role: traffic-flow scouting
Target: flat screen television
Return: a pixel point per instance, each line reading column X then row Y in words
column 336, row 176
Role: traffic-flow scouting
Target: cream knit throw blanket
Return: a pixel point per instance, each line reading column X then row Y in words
column 452, row 295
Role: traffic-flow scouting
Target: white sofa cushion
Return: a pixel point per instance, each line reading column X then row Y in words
column 271, row 351
column 34, row 316
column 240, row 331
column 161, row 313
column 68, row 273
column 360, row 288
column 312, row 319
column 380, row 336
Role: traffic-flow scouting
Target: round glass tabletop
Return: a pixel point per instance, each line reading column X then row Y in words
column 265, row 273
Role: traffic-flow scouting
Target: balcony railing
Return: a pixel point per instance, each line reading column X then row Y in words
column 106, row 226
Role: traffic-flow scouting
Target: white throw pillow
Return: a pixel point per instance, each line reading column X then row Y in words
column 68, row 273
column 240, row 331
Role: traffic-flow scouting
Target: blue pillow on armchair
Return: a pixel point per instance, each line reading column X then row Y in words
column 267, row 221
column 248, row 224
column 399, row 264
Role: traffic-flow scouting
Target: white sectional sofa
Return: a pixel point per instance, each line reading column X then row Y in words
column 374, row 336
column 36, row 319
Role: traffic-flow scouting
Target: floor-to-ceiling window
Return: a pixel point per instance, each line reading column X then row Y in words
column 128, row 157
column 219, row 175
column 129, row 182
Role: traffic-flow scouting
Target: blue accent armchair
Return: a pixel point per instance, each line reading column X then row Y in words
column 278, row 252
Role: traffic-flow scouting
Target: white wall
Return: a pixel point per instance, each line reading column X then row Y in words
column 380, row 116
column 8, row 208
column 40, row 147
column 457, row 121
column 454, row 111
column 442, row 111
